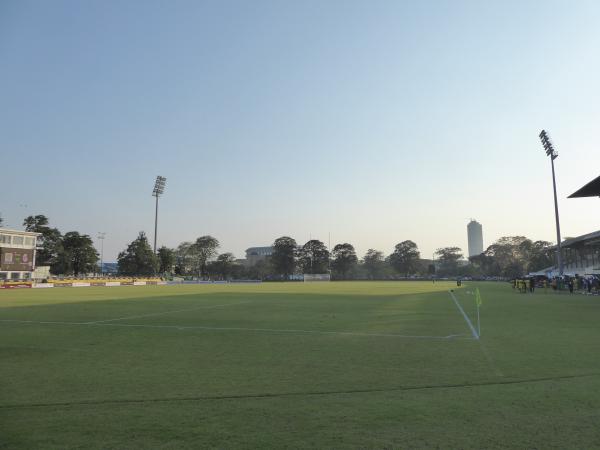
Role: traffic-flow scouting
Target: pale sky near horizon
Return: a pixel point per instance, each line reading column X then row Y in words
column 374, row 121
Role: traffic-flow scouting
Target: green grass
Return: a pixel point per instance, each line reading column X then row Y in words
column 332, row 365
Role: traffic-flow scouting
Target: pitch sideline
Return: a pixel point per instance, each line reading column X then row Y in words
column 475, row 335
column 242, row 329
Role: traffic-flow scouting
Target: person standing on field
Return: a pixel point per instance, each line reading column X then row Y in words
column 532, row 285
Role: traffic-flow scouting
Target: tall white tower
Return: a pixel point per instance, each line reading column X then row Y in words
column 475, row 236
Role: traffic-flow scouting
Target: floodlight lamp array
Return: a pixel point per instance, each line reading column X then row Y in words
column 547, row 143
column 159, row 186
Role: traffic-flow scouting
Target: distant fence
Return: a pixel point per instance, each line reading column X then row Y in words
column 108, row 282
column 212, row 282
column 16, row 284
column 81, row 283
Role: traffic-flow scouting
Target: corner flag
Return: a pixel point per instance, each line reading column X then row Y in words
column 477, row 297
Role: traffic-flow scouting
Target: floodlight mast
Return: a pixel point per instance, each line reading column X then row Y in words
column 159, row 189
column 547, row 143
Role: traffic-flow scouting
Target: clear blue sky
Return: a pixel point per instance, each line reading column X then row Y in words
column 373, row 121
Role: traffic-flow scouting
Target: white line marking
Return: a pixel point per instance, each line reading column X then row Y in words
column 34, row 347
column 490, row 361
column 475, row 335
column 165, row 312
column 264, row 330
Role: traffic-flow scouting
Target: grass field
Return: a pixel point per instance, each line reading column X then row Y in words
column 331, row 365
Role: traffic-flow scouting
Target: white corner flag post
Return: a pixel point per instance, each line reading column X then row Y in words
column 478, row 303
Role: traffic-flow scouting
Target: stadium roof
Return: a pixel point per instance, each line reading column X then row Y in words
column 592, row 189
column 586, row 239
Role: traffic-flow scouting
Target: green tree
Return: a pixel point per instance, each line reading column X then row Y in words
column 344, row 260
column 239, row 272
column 510, row 255
column 541, row 255
column 431, row 269
column 405, row 258
column 224, row 265
column 203, row 249
column 314, row 257
column 373, row 263
column 36, row 223
column 166, row 259
column 50, row 251
column 79, row 255
column 514, row 256
column 184, row 258
column 485, row 265
column 138, row 259
column 261, row 270
column 448, row 258
column 283, row 259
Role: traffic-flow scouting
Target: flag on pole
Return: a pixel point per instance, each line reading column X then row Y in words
column 477, row 297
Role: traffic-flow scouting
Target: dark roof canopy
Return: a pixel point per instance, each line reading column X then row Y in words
column 586, row 239
column 592, row 189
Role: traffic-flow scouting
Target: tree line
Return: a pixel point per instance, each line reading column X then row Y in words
column 507, row 257
column 201, row 259
column 74, row 253
column 71, row 253
column 514, row 256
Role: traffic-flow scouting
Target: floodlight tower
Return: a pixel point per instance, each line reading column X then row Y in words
column 101, row 236
column 159, row 189
column 547, row 143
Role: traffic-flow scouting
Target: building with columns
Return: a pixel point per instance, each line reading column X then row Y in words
column 17, row 254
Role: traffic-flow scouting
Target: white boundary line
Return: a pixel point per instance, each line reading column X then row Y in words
column 263, row 330
column 165, row 312
column 475, row 335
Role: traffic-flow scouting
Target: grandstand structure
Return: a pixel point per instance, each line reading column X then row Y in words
column 582, row 254
column 592, row 189
column 17, row 254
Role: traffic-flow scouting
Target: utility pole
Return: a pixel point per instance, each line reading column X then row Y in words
column 101, row 236
column 329, row 251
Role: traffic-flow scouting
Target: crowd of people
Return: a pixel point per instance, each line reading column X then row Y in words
column 588, row 284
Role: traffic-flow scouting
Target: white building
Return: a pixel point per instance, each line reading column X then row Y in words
column 475, row 236
column 256, row 254
column 17, row 254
